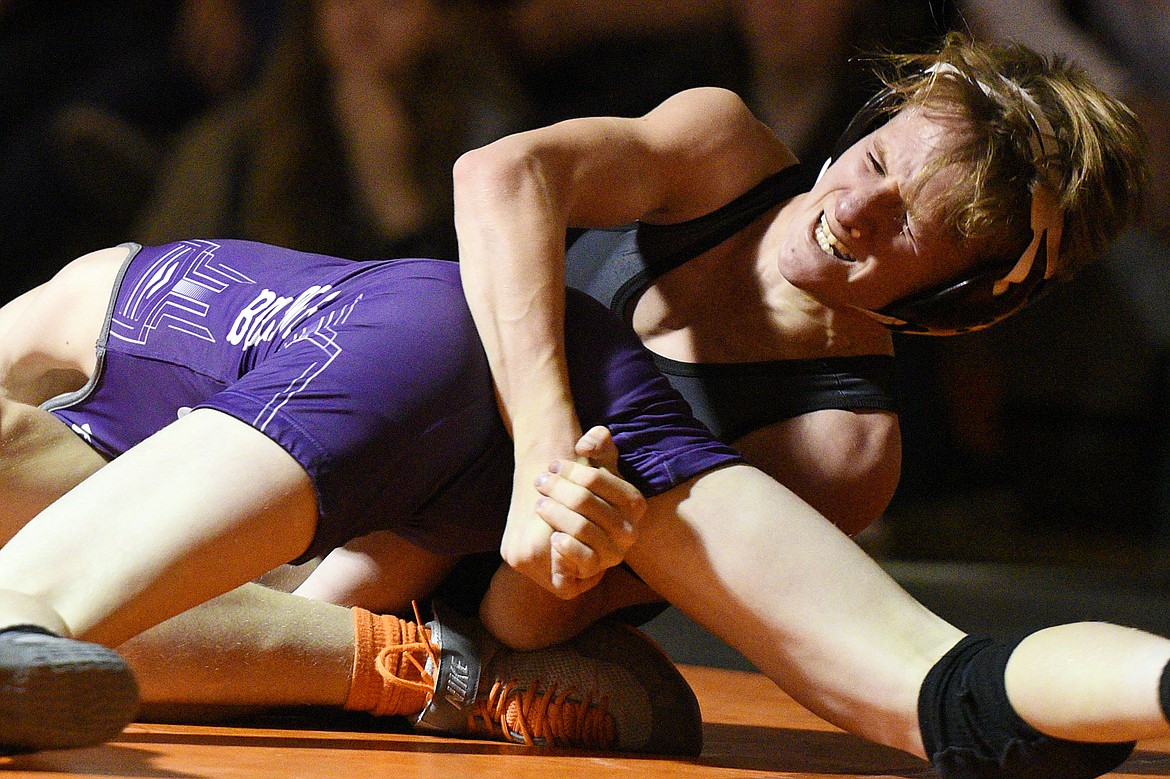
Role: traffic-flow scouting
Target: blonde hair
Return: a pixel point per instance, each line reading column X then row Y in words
column 1095, row 162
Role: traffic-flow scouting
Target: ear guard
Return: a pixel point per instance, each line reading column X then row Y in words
column 972, row 302
column 987, row 293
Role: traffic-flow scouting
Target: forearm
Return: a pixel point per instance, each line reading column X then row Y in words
column 507, row 212
column 511, row 221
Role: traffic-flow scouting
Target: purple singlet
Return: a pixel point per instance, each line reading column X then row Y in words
column 371, row 375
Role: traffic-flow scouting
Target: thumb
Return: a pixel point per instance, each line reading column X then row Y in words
column 598, row 447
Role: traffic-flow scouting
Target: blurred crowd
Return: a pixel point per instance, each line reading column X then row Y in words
column 332, row 125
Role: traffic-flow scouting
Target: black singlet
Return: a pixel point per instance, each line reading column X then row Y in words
column 615, row 266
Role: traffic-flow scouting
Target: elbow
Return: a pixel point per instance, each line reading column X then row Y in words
column 864, row 501
column 470, row 173
column 493, row 171
column 470, row 168
column 855, row 518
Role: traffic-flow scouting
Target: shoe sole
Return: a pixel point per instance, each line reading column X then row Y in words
column 57, row 693
column 676, row 721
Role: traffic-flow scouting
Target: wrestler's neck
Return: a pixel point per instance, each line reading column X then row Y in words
column 731, row 304
column 821, row 330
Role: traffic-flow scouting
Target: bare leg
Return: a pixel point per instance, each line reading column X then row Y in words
column 796, row 597
column 40, row 460
column 756, row 566
column 1089, row 682
column 252, row 647
column 259, row 647
column 523, row 615
column 381, row 572
column 204, row 506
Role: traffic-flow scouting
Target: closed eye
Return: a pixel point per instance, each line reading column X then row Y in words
column 875, row 164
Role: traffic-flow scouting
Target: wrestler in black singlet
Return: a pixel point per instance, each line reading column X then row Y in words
column 616, row 266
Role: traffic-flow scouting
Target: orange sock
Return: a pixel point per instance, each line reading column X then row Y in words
column 389, row 665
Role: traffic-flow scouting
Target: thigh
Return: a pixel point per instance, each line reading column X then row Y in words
column 40, row 460
column 755, row 565
column 390, row 410
column 203, row 506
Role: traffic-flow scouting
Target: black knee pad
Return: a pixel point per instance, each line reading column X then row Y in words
column 971, row 731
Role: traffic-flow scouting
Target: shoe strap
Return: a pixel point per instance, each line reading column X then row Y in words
column 457, row 680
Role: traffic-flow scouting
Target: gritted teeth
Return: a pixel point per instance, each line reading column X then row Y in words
column 829, row 243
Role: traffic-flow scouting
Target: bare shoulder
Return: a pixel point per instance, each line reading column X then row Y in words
column 714, row 103
column 721, row 148
column 54, row 327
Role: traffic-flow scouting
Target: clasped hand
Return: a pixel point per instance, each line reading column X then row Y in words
column 574, row 520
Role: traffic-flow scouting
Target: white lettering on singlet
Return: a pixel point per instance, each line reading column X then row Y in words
column 257, row 321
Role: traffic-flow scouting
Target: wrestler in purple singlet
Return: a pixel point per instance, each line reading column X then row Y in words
column 371, row 375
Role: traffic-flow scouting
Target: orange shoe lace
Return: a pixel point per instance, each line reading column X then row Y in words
column 550, row 718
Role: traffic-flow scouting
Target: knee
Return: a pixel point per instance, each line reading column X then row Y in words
column 970, row 730
column 532, row 626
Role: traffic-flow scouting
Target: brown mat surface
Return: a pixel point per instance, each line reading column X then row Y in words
column 752, row 730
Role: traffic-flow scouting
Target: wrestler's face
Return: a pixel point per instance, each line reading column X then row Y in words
column 871, row 230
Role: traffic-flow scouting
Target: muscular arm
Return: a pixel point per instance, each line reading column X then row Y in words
column 514, row 200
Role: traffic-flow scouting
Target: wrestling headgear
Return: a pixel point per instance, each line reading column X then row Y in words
column 985, row 294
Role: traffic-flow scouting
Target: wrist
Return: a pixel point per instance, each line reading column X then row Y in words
column 551, row 434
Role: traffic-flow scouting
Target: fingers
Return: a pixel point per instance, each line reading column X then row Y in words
column 574, row 484
column 588, row 549
column 584, row 495
column 589, row 513
column 595, row 514
column 598, row 447
column 566, row 578
column 548, row 558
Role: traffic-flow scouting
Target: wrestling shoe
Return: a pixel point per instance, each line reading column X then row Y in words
column 610, row 688
column 58, row 693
